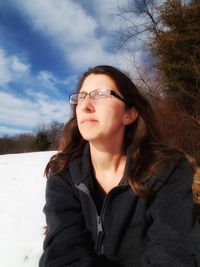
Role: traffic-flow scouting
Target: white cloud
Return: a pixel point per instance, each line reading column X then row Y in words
column 37, row 95
column 17, row 66
column 107, row 11
column 12, row 67
column 26, row 113
column 58, row 17
column 70, row 28
column 16, row 112
column 47, row 79
column 11, row 131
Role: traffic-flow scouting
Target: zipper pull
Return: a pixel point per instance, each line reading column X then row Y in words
column 99, row 236
column 99, row 224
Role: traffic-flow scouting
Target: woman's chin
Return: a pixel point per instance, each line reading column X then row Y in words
column 88, row 137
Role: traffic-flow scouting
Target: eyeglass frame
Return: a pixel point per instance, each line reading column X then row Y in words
column 99, row 89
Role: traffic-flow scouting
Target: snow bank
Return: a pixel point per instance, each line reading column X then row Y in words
column 22, row 197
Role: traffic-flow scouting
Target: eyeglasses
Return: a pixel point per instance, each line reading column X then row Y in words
column 97, row 94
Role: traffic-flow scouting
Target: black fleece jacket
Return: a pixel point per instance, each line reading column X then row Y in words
column 130, row 231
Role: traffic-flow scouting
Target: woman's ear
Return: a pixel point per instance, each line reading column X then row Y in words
column 130, row 116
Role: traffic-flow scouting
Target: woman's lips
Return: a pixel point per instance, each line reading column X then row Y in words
column 88, row 120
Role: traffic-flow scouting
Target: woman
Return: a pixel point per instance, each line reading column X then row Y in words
column 115, row 195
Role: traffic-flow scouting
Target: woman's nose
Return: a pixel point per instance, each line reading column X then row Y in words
column 87, row 104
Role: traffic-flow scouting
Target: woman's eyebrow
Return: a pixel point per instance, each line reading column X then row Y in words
column 87, row 92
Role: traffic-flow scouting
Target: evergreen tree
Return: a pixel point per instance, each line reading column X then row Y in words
column 177, row 49
column 41, row 142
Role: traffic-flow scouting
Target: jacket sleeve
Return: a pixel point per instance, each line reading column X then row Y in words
column 68, row 242
column 173, row 238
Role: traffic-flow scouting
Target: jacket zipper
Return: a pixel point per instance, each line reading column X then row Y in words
column 100, row 236
column 100, row 229
column 99, row 218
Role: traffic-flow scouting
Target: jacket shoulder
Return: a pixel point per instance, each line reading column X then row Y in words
column 177, row 172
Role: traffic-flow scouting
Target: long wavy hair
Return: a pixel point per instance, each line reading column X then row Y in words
column 148, row 151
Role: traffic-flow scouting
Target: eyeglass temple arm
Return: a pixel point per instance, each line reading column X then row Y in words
column 117, row 96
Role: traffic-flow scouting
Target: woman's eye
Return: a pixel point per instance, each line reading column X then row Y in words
column 81, row 97
column 100, row 94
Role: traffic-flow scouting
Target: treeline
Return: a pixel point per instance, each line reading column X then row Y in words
column 171, row 37
column 45, row 137
column 170, row 34
column 177, row 127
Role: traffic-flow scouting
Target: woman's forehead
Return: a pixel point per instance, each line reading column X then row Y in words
column 96, row 81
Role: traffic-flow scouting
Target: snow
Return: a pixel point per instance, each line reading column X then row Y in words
column 22, row 198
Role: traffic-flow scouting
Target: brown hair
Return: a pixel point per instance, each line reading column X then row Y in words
column 148, row 152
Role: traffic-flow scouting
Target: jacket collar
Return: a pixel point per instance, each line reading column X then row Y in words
column 80, row 168
column 80, row 171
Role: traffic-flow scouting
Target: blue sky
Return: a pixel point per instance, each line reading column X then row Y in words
column 44, row 47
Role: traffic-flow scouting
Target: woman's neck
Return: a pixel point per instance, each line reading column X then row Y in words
column 108, row 164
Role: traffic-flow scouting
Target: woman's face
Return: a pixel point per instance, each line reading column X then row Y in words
column 103, row 119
